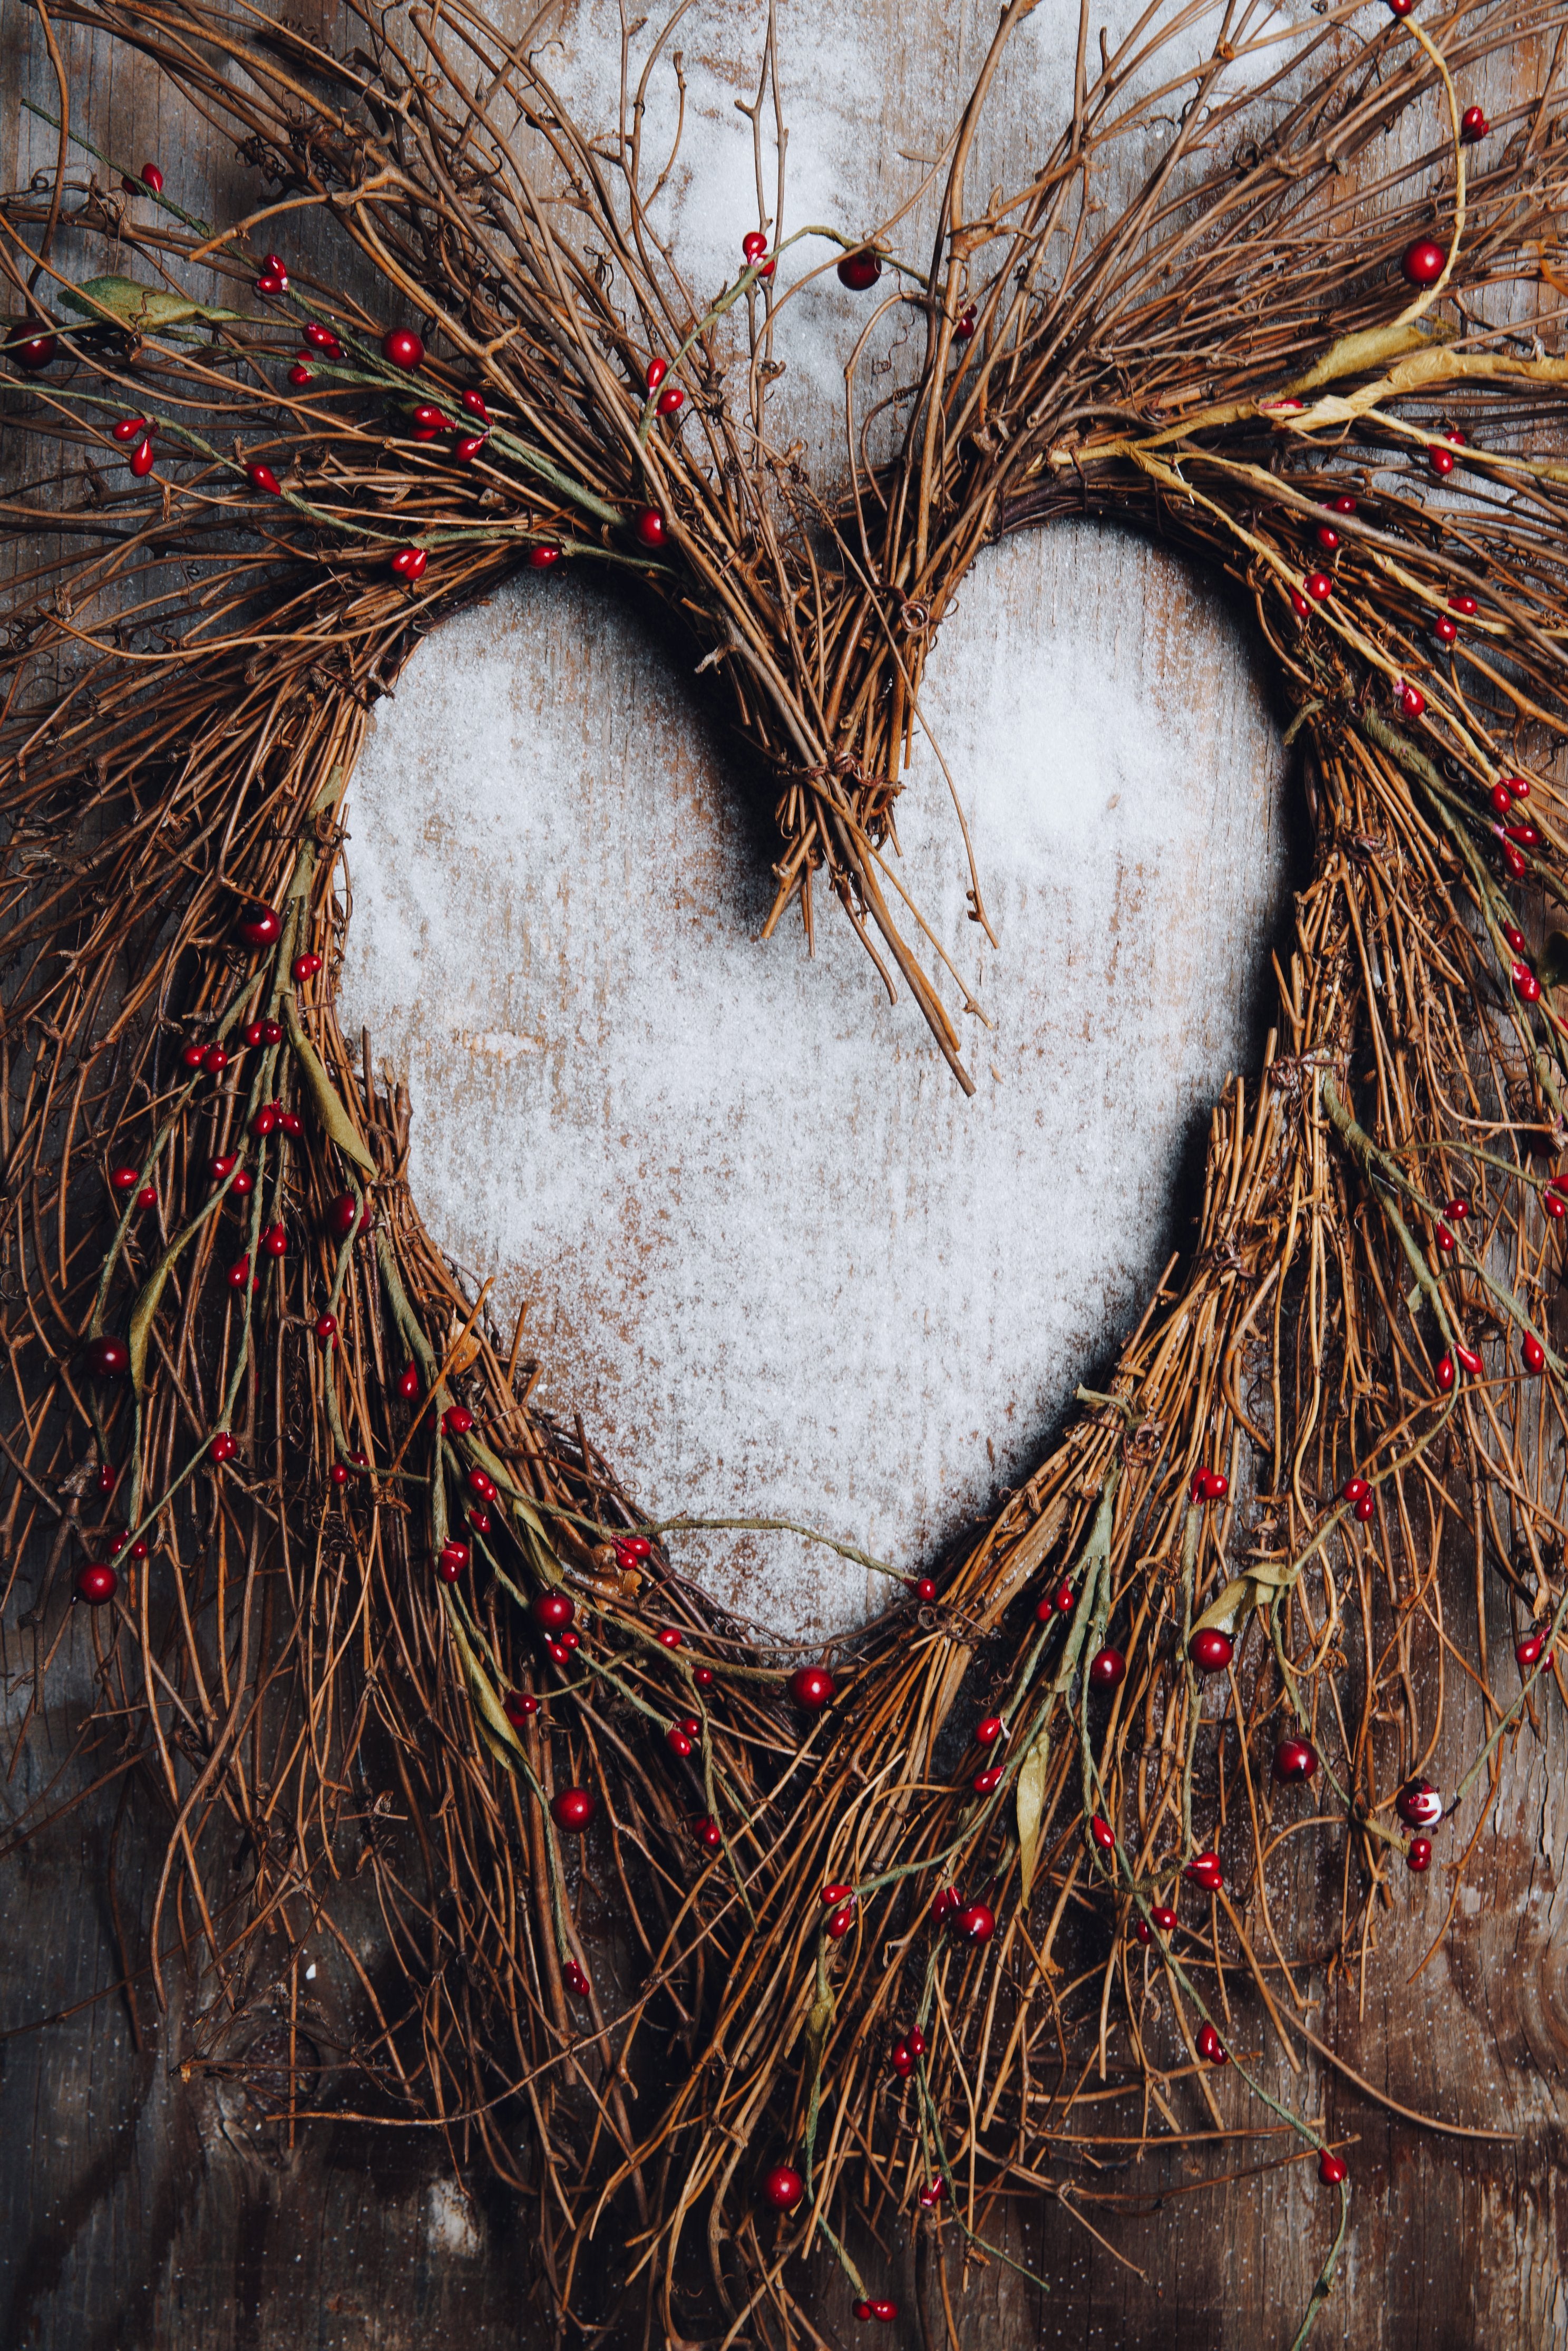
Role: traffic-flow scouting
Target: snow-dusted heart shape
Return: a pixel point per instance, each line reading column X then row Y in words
column 779, row 1262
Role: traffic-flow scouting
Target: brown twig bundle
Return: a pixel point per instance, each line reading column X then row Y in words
column 345, row 1563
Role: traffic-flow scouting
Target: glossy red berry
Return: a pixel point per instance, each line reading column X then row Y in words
column 33, row 351
column 320, row 337
column 932, row 2193
column 338, row 1474
column 1535, row 1353
column 341, row 1216
column 1418, row 1855
column 96, row 1585
column 1473, row 126
column 702, row 1676
column 1327, row 537
column 298, row 375
column 1103, row 1835
column 783, row 2188
column 239, row 1273
column 1205, row 1869
column 275, row 1240
column 1164, row 1918
column 1501, row 799
column 192, row 1055
column 834, row 1893
column 1143, row 1931
column 658, row 370
column 1343, row 505
column 108, row 1358
column 141, row 459
column 125, row 1179
column 272, row 1033
column 1412, row 701
column 1525, row 835
column 987, row 1781
column 708, row 1835
column 1332, row 2168
column 1518, row 785
column 903, row 2062
column 1515, row 863
column 457, row 1420
column 1210, row 2047
column 326, row 1331
column 152, row 179
column 811, row 1687
column 468, row 446
column 410, row 563
column 944, row 1902
column 859, row 271
column 262, row 477
column 863, row 2310
column 885, row 2311
column 1526, row 986
column 403, row 349
column 1441, row 462
column 223, row 1446
column 259, row 927
column 305, row 967
column 107, row 1477
column 1107, row 1667
column 1446, row 631
column 1210, row 1485
column 454, row 1559
column 964, row 324
column 1365, row 1510
column 678, row 1743
column 1445, row 1372
column 1294, row 1758
column 648, row 524
column 754, row 244
column 1466, row 606
column 572, row 1808
column 291, row 1124
column 1299, row 604
column 670, row 1638
column 671, row 399
column 1424, row 261
column 1528, row 1652
column 988, row 1732
column 552, row 1612
column 976, row 1924
column 1353, row 1489
column 1418, row 1804
column 924, row 1588
column 1063, row 1600
column 1211, row 1650
column 129, row 428
column 1468, row 1361
column 1319, row 586
column 543, row 559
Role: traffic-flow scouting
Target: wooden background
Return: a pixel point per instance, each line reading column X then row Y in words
column 1116, row 701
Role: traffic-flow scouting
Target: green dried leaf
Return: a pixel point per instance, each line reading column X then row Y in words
column 143, row 1310
column 1030, row 1799
column 143, row 308
column 324, row 1095
column 494, row 1728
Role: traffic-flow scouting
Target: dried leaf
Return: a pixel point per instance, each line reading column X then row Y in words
column 1030, row 1799
column 324, row 1095
column 143, row 308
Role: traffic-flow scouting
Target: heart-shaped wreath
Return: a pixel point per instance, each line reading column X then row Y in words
column 333, row 1568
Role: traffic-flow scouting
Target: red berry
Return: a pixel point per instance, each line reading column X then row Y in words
column 964, row 324
column 1354, row 1489
column 129, row 428
column 1445, row 1372
column 291, row 1124
column 341, row 1214
column 1205, row 1870
column 754, row 244
column 542, row 558
column 1062, row 1600
column 225, row 1446
column 1446, row 631
column 1525, row 835
column 96, row 1584
column 1211, row 1650
column 1332, row 2168
column 1515, row 863
column 148, row 1197
column 410, row 563
column 326, row 1331
column 1441, row 462
column 1412, row 701
column 305, row 966
column 678, row 1743
column 1294, row 1758
column 479, row 1520
column 863, row 2310
column 903, row 2062
column 783, row 2188
column 1107, row 1667
column 924, row 1588
column 811, row 1687
column 192, row 1055
column 1143, row 1931
column 468, row 446
column 976, row 1924
column 108, row 1358
column 151, row 177
column 125, row 1179
column 1468, row 1360
column 1366, row 1509
column 702, row 1676
column 1501, row 799
column 1418, row 1855
column 1319, row 586
column 577, row 1980
column 1466, row 606
column 298, row 376
column 482, row 1484
column 259, row 927
column 987, row 1781
column 1528, row 1652
column 944, row 1902
column 1518, row 785
column 1526, row 985
column 1418, row 1804
column 107, row 1477
column 885, row 2311
column 917, row 2041
column 1343, row 505
column 552, row 1612
column 1327, row 537
column 275, row 1241
column 572, row 1808
column 34, row 351
column 1535, row 1353
column 403, row 349
column 1299, row 604
column 933, row 2192
column 648, row 524
column 239, row 1273
column 859, row 271
column 1424, row 262
column 263, row 478
column 338, row 1474
column 988, row 1732
column 1103, row 1835
column 141, row 459
column 834, row 1894
column 474, row 402
column 457, row 1420
column 708, row 1835
column 454, row 1559
column 1473, row 126
column 670, row 399
column 216, row 1060
column 1164, row 1918
column 1210, row 2047
column 272, row 1033
column 321, row 338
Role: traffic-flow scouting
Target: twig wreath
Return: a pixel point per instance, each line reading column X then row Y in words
column 354, row 1610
